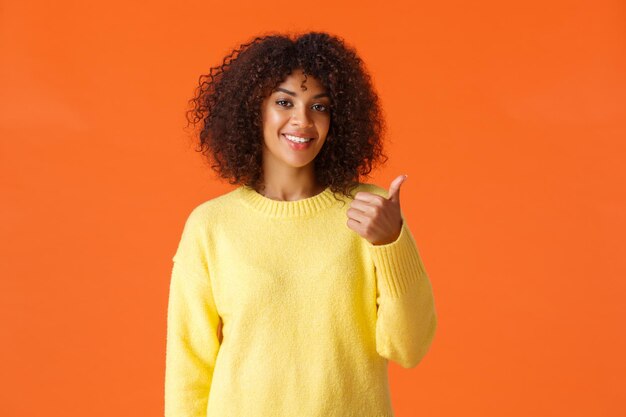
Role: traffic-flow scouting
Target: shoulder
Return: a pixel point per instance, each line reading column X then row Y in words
column 212, row 207
column 201, row 216
column 198, row 229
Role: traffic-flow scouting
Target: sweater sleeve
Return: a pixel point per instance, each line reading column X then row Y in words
column 406, row 316
column 192, row 323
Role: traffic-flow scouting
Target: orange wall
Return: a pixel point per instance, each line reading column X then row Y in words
column 508, row 118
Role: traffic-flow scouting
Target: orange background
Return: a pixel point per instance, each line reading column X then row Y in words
column 508, row 117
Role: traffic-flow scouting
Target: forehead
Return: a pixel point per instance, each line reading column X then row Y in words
column 296, row 79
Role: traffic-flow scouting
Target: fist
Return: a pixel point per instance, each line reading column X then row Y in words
column 375, row 218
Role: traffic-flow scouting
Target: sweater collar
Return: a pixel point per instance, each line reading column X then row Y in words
column 277, row 208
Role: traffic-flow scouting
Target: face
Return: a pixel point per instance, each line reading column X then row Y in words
column 291, row 111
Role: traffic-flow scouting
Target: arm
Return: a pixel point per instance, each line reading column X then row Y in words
column 192, row 330
column 407, row 319
column 192, row 345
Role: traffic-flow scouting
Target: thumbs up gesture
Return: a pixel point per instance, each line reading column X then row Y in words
column 376, row 218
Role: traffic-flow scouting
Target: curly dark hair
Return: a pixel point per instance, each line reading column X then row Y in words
column 228, row 102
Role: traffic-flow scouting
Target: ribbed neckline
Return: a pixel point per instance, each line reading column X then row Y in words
column 296, row 208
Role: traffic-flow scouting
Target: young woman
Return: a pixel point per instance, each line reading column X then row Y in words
column 290, row 294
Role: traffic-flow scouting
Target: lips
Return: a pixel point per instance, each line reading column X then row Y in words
column 299, row 134
column 298, row 146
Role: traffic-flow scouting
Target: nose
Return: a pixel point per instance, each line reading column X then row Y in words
column 300, row 116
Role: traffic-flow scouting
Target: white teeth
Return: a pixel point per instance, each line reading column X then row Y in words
column 297, row 139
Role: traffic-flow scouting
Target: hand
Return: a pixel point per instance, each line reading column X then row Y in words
column 376, row 218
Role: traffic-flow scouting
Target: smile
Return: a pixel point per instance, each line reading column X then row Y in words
column 297, row 139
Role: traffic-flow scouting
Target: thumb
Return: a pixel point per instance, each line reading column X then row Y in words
column 394, row 188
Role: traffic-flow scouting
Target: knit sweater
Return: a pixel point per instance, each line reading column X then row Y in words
column 311, row 311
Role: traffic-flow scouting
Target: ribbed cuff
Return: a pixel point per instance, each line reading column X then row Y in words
column 398, row 264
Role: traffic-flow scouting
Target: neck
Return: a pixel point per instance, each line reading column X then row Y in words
column 284, row 183
column 286, row 191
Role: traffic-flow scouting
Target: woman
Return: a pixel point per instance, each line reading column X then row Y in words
column 290, row 293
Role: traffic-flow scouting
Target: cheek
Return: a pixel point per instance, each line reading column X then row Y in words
column 324, row 124
column 273, row 119
column 272, row 124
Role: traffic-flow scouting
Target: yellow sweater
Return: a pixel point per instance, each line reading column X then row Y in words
column 311, row 311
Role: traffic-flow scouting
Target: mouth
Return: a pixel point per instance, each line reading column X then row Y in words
column 296, row 139
column 296, row 143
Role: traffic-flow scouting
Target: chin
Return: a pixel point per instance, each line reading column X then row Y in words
column 298, row 164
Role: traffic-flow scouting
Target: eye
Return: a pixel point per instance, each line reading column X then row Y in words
column 282, row 101
column 324, row 107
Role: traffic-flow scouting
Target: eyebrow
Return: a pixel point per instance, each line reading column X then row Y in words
column 291, row 93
